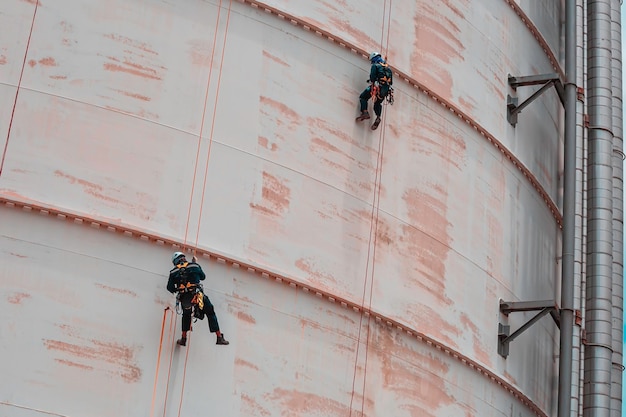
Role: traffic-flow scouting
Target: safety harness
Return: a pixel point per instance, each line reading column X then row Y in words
column 197, row 301
column 385, row 79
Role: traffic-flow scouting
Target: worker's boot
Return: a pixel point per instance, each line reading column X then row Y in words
column 221, row 340
column 376, row 123
column 182, row 341
column 364, row 116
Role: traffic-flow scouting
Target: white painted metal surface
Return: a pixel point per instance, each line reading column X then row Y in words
column 424, row 222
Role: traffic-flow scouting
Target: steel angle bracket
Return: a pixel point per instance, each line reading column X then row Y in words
column 547, row 81
column 506, row 307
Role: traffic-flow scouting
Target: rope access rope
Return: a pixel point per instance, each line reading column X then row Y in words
column 371, row 250
column 169, row 372
column 206, row 97
column 17, row 91
column 208, row 157
column 156, row 375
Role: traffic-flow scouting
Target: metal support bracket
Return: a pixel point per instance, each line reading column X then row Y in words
column 548, row 80
column 544, row 307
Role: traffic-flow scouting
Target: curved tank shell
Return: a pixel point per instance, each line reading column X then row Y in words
column 355, row 272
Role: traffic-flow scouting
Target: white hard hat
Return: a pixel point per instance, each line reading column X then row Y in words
column 176, row 256
column 374, row 55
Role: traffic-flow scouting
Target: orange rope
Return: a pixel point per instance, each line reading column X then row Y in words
column 217, row 93
column 169, row 372
column 156, row 376
column 182, row 388
column 206, row 96
column 206, row 168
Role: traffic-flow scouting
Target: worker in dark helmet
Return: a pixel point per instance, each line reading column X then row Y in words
column 185, row 281
column 381, row 79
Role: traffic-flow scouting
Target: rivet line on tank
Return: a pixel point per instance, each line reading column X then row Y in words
column 355, row 307
column 318, row 31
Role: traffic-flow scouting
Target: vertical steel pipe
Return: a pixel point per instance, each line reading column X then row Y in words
column 599, row 294
column 569, row 215
column 618, row 210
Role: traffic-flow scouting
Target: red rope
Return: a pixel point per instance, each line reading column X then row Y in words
column 19, row 84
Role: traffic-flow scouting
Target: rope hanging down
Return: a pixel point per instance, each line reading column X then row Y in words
column 371, row 250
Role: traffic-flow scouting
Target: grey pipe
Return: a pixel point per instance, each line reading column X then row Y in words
column 579, row 244
column 618, row 212
column 599, row 294
column 569, row 216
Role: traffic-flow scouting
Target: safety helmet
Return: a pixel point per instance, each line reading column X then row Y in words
column 176, row 256
column 374, row 55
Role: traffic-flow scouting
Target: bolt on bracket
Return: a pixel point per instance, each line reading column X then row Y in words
column 504, row 335
column 548, row 80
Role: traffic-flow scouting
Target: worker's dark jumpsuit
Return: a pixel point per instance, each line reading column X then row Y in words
column 192, row 273
column 375, row 72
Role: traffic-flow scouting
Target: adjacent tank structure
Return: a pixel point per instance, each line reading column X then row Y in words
column 421, row 269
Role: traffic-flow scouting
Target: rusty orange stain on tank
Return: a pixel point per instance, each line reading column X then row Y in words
column 74, row 364
column 323, row 279
column 298, row 403
column 58, row 77
column 251, row 407
column 319, row 143
column 133, row 95
column 73, row 180
column 414, row 376
column 317, row 125
column 480, row 352
column 117, row 290
column 437, row 44
column 48, row 61
column 131, row 42
column 430, row 322
column 284, row 110
column 275, row 59
column 246, row 317
column 344, row 26
column 264, row 142
column 98, row 192
column 246, row 364
column 111, row 353
column 19, row 255
column 3, row 59
column 428, row 212
column 274, row 194
column 18, row 297
column 200, row 52
column 135, row 69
